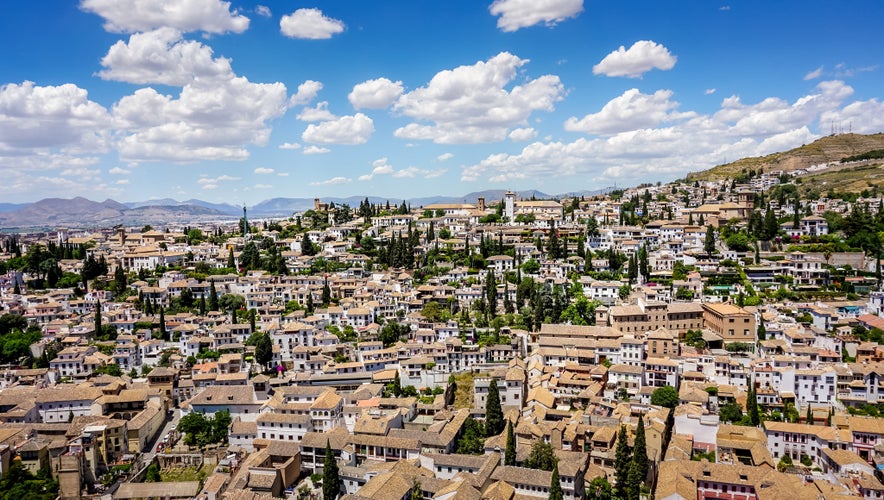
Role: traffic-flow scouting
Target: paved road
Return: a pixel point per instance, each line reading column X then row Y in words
column 147, row 456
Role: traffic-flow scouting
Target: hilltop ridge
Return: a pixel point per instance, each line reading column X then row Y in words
column 831, row 148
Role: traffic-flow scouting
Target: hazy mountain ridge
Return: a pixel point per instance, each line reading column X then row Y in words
column 81, row 212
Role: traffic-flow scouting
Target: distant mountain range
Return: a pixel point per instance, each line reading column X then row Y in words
column 81, row 212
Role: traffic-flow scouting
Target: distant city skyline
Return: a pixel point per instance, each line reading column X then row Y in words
column 239, row 102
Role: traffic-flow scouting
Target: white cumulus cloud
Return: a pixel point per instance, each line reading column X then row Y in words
column 693, row 142
column 355, row 129
column 813, row 75
column 208, row 121
column 522, row 134
column 290, row 145
column 445, row 156
column 643, row 56
column 516, row 14
column 332, row 181
column 210, row 183
column 130, row 16
column 263, row 11
column 119, row 171
column 318, row 113
column 33, row 116
column 307, row 91
column 310, row 24
column 472, row 104
column 162, row 56
column 381, row 167
column 264, row 170
column 316, row 150
column 379, row 93
column 631, row 110
column 861, row 117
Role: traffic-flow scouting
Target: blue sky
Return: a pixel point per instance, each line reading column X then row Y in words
column 244, row 101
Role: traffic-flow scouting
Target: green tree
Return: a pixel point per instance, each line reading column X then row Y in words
column 541, row 456
column 416, row 492
column 97, row 326
column 307, row 246
column 531, row 266
column 622, row 461
column 638, row 469
column 599, row 489
column 18, row 483
column 331, row 481
column 665, row 396
column 163, row 334
column 391, row 333
column 752, row 405
column 120, row 280
column 709, row 242
column 111, row 369
column 493, row 412
column 472, row 440
column 730, row 412
column 397, row 385
column 738, row 242
column 213, row 297
column 509, row 453
column 263, row 350
column 153, row 473
column 326, row 294
column 555, row 486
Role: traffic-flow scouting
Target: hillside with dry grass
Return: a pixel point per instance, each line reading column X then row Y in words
column 825, row 150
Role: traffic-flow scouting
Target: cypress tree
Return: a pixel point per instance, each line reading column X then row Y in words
column 638, row 469
column 507, row 303
column 709, row 243
column 509, row 454
column 491, row 292
column 621, row 463
column 231, row 263
column 752, row 405
column 397, row 385
column 493, row 412
column 162, row 323
column 331, row 482
column 213, row 297
column 326, row 294
column 555, row 486
column 97, row 317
